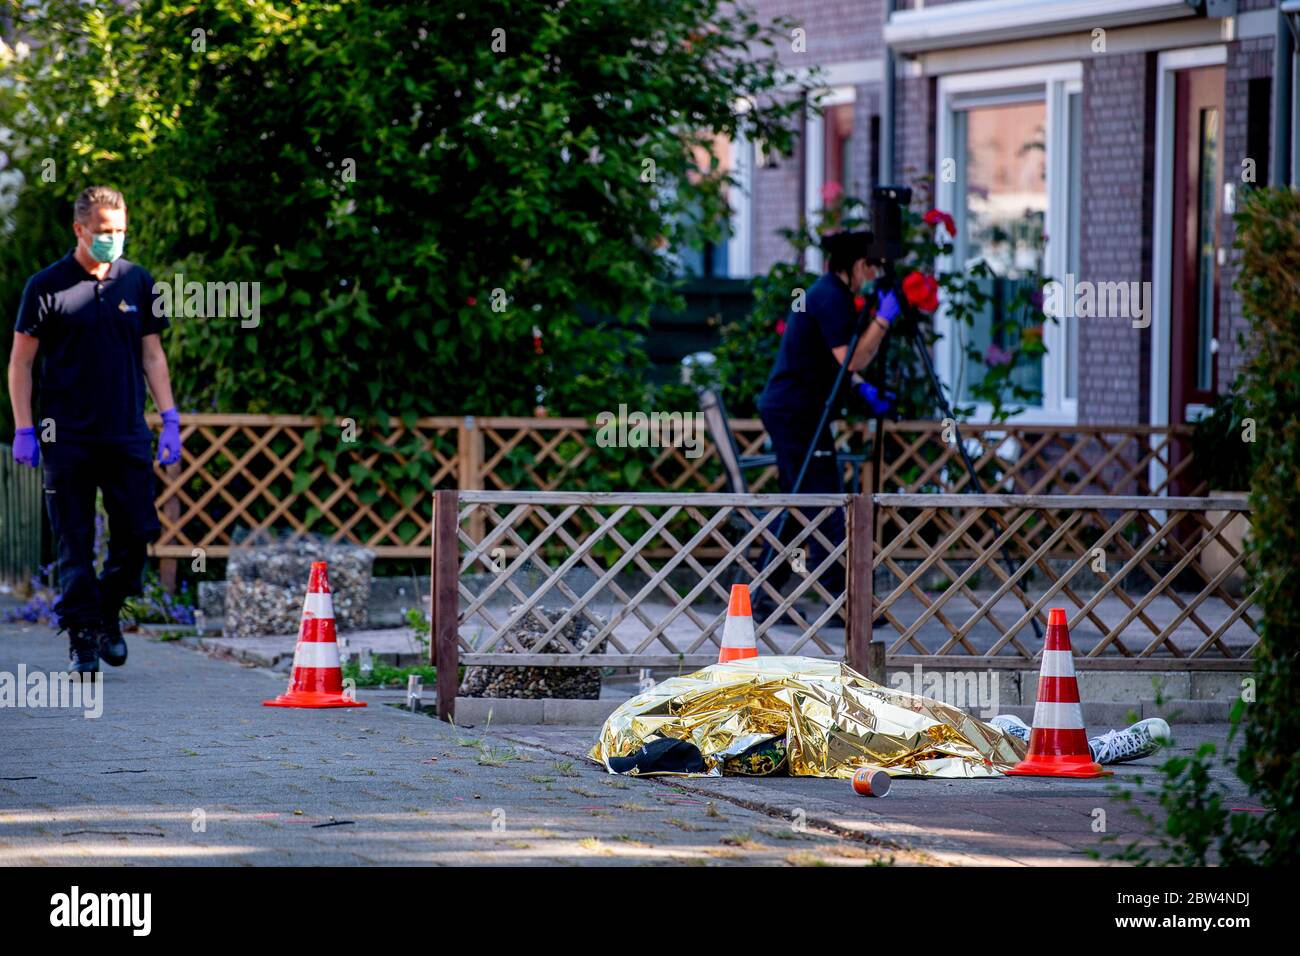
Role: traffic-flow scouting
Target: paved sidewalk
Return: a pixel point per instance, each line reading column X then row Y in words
column 1004, row 821
column 184, row 738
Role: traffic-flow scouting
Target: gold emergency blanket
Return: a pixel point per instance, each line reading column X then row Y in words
column 832, row 721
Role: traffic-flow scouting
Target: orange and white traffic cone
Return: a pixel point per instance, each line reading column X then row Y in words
column 317, row 677
column 738, row 632
column 1058, row 745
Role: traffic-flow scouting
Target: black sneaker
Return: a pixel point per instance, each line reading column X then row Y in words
column 112, row 645
column 83, row 650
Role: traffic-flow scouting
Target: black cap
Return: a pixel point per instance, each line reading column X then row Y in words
column 848, row 247
column 661, row 755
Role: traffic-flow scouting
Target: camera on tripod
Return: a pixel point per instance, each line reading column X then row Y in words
column 887, row 205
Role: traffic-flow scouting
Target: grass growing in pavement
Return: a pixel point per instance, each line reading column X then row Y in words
column 497, row 757
column 384, row 675
column 744, row 841
column 683, row 825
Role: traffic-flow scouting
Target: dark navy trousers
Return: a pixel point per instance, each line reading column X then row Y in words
column 791, row 436
column 74, row 473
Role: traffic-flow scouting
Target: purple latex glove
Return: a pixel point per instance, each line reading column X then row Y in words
column 169, row 442
column 888, row 308
column 26, row 448
column 880, row 401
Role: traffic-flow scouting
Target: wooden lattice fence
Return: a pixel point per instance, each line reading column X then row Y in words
column 1152, row 580
column 245, row 471
column 1146, row 582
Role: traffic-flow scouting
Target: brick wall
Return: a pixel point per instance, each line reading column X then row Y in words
column 836, row 30
column 866, row 105
column 1247, row 60
column 1115, row 232
column 777, row 192
column 914, row 122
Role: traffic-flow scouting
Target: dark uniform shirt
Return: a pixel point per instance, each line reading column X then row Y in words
column 805, row 368
column 91, row 378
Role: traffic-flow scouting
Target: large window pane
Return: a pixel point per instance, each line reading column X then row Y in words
column 1003, row 176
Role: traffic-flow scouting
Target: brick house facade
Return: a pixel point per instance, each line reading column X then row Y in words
column 1140, row 113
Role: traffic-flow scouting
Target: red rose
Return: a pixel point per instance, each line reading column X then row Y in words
column 921, row 291
column 471, row 301
column 780, row 326
column 936, row 216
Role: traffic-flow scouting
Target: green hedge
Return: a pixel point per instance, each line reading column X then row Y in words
column 415, row 186
column 1268, row 235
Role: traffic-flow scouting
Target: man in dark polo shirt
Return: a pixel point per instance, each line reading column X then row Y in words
column 89, row 321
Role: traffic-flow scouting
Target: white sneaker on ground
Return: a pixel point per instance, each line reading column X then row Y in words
column 1120, row 746
column 1011, row 724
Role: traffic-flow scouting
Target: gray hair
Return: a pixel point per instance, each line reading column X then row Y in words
column 97, row 196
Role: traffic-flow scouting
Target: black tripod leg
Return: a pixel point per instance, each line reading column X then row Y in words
column 821, row 426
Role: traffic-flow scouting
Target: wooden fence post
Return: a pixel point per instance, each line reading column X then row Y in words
column 861, row 535
column 469, row 448
column 444, row 601
column 172, row 511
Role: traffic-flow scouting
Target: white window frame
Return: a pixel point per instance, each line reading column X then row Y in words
column 1058, row 80
column 740, row 196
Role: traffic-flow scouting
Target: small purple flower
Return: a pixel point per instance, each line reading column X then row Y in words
column 996, row 355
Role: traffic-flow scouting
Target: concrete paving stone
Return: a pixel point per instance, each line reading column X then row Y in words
column 418, row 792
column 962, row 822
column 1099, row 717
column 1178, row 712
column 1123, row 686
column 578, row 712
column 472, row 712
column 423, row 793
column 1212, row 685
